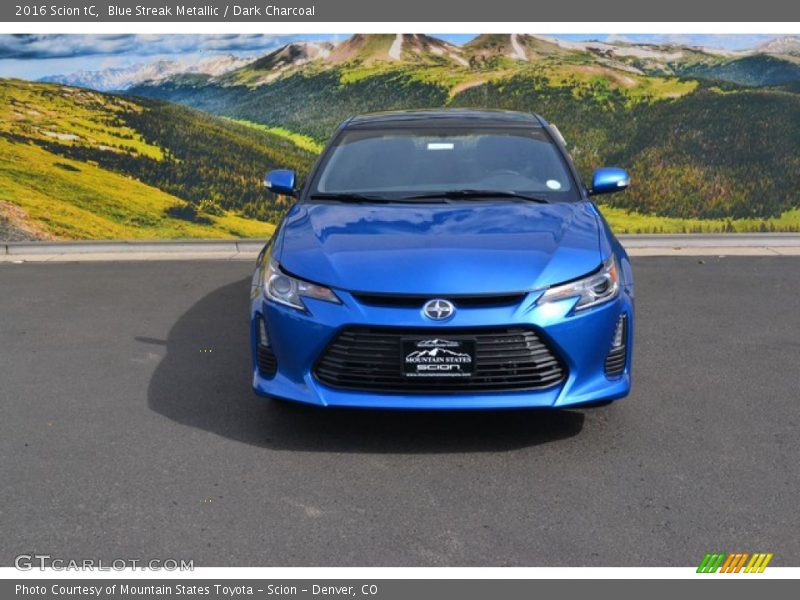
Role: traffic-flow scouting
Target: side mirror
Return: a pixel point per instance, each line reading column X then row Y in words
column 281, row 181
column 608, row 180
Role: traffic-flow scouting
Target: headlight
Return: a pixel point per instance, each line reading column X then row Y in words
column 287, row 290
column 595, row 289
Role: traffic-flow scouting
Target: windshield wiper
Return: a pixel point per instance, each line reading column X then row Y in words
column 349, row 197
column 466, row 194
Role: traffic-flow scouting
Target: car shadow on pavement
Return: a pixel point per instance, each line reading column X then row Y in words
column 204, row 382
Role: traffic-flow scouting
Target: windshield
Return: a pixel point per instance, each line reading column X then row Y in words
column 406, row 162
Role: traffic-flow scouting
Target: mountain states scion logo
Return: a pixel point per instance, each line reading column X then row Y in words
column 437, row 357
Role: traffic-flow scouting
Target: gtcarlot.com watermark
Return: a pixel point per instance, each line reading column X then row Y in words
column 42, row 562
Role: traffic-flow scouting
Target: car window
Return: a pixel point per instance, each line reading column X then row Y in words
column 425, row 160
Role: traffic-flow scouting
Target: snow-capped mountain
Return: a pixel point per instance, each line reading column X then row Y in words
column 286, row 58
column 434, row 352
column 416, row 48
column 786, row 44
column 486, row 52
column 291, row 55
column 122, row 78
column 219, row 64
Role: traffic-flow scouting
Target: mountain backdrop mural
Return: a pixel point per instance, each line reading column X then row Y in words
column 169, row 148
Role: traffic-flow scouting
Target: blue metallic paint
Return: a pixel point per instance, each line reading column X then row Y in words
column 281, row 181
column 477, row 248
column 441, row 250
column 298, row 340
column 608, row 180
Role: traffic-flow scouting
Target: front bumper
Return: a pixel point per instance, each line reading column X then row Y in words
column 581, row 340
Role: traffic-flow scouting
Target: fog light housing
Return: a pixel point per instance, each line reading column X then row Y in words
column 263, row 338
column 265, row 357
column 619, row 333
column 618, row 354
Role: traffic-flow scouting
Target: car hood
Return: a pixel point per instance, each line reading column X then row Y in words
column 440, row 249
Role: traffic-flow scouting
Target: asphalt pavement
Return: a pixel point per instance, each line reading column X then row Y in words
column 129, row 430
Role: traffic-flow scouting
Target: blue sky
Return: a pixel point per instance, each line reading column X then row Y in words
column 35, row 56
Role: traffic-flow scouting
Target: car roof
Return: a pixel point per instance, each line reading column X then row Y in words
column 468, row 117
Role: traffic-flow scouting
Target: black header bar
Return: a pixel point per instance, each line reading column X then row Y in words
column 489, row 11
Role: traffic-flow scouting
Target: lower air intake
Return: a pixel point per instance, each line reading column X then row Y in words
column 508, row 359
column 265, row 357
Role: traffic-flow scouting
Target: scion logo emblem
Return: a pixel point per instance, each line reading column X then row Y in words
column 438, row 309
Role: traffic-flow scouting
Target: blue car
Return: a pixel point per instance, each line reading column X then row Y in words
column 444, row 259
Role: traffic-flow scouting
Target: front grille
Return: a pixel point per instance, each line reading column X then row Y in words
column 370, row 359
column 415, row 300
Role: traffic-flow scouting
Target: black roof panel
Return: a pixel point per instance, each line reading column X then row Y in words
column 444, row 116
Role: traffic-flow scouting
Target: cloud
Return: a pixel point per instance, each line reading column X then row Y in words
column 23, row 47
column 60, row 46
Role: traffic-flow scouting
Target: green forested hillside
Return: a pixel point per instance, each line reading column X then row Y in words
column 310, row 103
column 758, row 70
column 696, row 149
column 80, row 164
column 713, row 153
column 716, row 154
column 711, row 139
